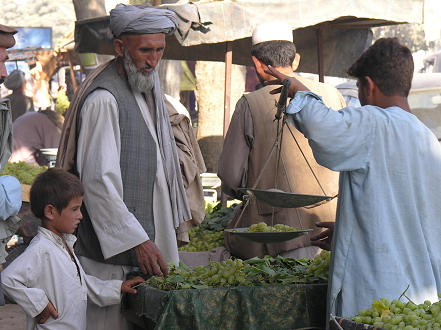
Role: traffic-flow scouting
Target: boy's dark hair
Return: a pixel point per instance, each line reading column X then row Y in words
column 389, row 64
column 54, row 187
column 277, row 53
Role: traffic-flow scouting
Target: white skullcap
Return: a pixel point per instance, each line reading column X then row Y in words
column 272, row 31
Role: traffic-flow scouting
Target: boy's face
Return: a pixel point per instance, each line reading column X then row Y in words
column 67, row 221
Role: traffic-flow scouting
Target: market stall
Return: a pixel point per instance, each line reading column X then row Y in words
column 258, row 293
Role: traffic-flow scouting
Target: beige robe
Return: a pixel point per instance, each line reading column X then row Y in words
column 249, row 140
column 192, row 165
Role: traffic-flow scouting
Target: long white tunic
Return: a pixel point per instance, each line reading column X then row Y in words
column 45, row 272
column 388, row 225
column 98, row 162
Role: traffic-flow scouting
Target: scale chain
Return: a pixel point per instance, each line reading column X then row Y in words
column 312, row 171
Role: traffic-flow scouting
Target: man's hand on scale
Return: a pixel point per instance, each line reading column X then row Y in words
column 295, row 86
column 324, row 239
column 150, row 259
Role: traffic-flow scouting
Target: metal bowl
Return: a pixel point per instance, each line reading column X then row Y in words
column 267, row 237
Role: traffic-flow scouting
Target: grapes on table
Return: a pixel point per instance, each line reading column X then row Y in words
column 236, row 272
column 203, row 240
column 24, row 172
column 262, row 227
column 210, row 233
column 397, row 314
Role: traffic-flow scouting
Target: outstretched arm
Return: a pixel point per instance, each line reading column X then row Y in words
column 340, row 140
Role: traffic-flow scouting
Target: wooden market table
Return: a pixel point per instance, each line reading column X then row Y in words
column 292, row 306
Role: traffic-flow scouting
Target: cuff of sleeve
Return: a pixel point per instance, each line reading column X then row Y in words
column 38, row 307
column 300, row 100
column 127, row 238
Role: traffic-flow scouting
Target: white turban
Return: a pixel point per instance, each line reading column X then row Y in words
column 149, row 20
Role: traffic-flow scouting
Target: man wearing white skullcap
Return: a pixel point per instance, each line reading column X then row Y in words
column 125, row 154
column 249, row 140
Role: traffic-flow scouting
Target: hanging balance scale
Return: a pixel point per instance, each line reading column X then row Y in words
column 275, row 197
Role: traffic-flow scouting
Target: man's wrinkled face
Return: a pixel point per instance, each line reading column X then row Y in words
column 146, row 50
column 142, row 54
column 3, row 58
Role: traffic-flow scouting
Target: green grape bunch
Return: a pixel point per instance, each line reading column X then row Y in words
column 262, row 227
column 24, row 172
column 203, row 240
column 397, row 314
column 236, row 272
column 210, row 233
column 319, row 267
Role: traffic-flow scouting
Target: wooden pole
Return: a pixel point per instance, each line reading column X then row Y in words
column 227, row 89
column 72, row 73
column 227, row 96
column 321, row 70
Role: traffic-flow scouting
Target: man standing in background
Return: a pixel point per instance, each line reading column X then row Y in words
column 20, row 103
column 248, row 143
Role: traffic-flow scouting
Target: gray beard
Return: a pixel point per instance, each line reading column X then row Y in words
column 138, row 80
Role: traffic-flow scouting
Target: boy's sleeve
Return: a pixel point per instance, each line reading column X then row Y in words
column 17, row 281
column 103, row 293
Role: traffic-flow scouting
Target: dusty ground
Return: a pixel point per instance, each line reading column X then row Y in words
column 12, row 317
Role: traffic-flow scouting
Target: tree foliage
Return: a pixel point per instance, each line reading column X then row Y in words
column 412, row 35
column 59, row 15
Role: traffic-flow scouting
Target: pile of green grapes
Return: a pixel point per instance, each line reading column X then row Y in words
column 24, row 172
column 396, row 314
column 235, row 272
column 210, row 233
column 203, row 240
column 262, row 227
column 319, row 266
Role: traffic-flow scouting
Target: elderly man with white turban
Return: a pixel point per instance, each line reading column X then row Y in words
column 118, row 139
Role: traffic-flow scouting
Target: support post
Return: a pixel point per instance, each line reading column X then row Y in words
column 321, row 69
column 227, row 88
column 72, row 73
column 227, row 96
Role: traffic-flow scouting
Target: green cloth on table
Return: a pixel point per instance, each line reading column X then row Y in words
column 263, row 307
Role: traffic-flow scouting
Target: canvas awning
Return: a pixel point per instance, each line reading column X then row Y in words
column 205, row 27
column 329, row 35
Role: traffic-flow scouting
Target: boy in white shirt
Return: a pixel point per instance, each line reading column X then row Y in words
column 47, row 280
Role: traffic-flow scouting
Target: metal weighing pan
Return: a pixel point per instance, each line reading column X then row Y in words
column 267, row 237
column 279, row 198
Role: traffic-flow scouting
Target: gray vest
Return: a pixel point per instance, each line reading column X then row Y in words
column 138, row 167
